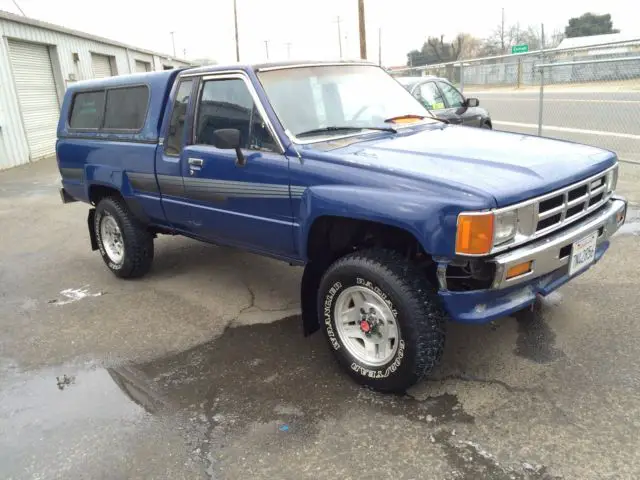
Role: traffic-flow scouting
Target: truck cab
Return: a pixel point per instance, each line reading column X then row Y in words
column 401, row 221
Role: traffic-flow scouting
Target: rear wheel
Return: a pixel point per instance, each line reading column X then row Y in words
column 125, row 244
column 487, row 125
column 382, row 318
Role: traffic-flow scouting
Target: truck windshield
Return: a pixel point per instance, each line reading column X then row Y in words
column 317, row 98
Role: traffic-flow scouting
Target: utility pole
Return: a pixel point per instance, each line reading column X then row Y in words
column 339, row 35
column 542, row 36
column 363, row 32
column 184, row 51
column 288, row 44
column 235, row 23
column 173, row 42
column 266, row 48
column 380, row 46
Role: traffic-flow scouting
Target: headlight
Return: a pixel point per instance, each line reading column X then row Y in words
column 478, row 233
column 505, row 226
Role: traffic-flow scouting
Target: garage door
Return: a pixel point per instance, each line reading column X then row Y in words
column 37, row 94
column 142, row 66
column 101, row 65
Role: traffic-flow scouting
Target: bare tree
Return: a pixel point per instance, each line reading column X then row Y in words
column 444, row 51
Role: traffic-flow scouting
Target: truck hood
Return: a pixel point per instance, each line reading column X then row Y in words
column 510, row 167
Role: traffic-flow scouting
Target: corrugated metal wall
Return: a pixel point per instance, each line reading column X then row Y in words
column 14, row 149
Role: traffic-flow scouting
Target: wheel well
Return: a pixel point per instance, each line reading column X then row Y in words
column 332, row 237
column 98, row 192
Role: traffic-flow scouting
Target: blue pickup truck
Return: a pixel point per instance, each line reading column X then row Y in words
column 401, row 221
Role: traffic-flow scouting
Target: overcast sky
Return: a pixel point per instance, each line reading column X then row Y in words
column 204, row 28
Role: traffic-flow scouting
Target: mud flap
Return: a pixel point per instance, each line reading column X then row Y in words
column 92, row 233
column 309, row 296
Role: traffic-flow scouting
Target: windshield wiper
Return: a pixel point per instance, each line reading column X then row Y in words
column 345, row 128
column 414, row 117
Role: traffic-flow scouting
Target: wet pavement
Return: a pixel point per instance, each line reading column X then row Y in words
column 200, row 370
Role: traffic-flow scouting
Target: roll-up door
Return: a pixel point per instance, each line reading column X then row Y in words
column 142, row 66
column 37, row 94
column 101, row 65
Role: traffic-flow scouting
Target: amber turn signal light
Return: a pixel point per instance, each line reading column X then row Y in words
column 519, row 269
column 475, row 234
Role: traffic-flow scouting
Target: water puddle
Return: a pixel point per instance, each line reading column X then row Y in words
column 265, row 379
column 54, row 419
column 203, row 410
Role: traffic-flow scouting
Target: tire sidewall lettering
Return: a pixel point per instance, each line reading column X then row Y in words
column 328, row 314
column 332, row 292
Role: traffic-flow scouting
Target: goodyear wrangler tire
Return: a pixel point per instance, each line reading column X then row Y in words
column 382, row 319
column 125, row 245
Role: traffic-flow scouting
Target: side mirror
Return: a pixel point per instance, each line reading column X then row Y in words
column 229, row 139
column 471, row 102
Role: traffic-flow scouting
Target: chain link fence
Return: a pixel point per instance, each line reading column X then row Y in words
column 589, row 95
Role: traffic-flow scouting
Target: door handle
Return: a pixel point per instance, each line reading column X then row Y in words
column 196, row 162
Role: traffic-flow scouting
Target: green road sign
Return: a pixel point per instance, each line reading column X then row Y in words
column 524, row 48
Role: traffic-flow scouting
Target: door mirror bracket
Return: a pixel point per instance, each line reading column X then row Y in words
column 229, row 139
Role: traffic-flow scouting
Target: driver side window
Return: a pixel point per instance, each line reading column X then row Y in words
column 227, row 103
column 454, row 99
column 431, row 97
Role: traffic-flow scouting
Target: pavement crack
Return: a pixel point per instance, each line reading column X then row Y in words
column 252, row 304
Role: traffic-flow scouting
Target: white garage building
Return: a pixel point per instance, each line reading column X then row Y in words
column 37, row 62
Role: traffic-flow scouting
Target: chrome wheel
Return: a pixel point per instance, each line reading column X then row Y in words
column 366, row 326
column 111, row 238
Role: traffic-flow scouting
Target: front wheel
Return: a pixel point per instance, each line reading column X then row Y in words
column 382, row 318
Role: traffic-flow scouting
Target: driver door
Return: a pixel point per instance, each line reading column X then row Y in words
column 246, row 205
column 431, row 97
column 456, row 106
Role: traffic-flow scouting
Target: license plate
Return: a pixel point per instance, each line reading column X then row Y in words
column 583, row 253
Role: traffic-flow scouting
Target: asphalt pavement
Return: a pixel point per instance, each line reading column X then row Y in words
column 200, row 369
column 606, row 119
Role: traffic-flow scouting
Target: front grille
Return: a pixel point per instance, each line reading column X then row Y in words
column 545, row 214
column 567, row 205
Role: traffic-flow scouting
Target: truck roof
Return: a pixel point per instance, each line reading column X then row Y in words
column 275, row 65
column 162, row 78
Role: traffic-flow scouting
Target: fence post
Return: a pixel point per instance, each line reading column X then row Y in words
column 541, row 100
column 519, row 71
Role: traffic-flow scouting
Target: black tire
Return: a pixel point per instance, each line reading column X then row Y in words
column 487, row 125
column 137, row 241
column 414, row 304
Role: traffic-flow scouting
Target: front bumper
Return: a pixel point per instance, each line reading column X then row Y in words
column 550, row 258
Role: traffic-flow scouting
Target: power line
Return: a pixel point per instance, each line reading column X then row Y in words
column 18, row 7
